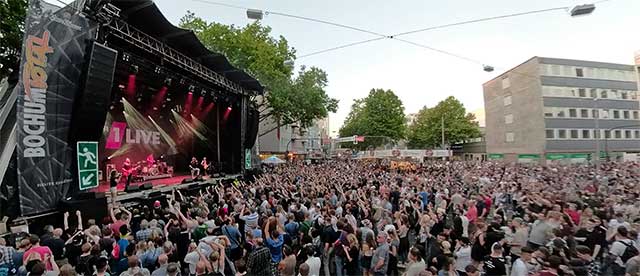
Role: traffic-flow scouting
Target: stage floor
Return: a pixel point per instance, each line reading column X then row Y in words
column 170, row 181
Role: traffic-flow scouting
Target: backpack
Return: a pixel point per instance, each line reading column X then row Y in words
column 629, row 252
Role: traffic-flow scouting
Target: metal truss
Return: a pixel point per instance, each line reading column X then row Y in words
column 143, row 41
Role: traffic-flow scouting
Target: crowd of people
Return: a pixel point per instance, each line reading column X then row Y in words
column 361, row 218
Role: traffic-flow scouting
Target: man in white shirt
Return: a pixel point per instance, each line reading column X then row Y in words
column 312, row 261
column 520, row 265
column 622, row 244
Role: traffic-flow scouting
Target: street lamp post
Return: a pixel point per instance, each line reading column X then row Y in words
column 596, row 158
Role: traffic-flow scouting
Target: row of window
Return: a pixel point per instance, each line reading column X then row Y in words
column 574, row 92
column 586, row 72
column 590, row 113
column 588, row 134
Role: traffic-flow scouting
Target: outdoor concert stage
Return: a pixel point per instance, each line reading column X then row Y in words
column 125, row 92
column 163, row 186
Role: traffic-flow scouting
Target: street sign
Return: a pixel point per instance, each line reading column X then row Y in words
column 87, row 157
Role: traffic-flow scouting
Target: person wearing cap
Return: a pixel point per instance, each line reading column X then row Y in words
column 380, row 260
column 472, row 270
column 519, row 267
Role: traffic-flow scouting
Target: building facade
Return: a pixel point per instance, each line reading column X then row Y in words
column 556, row 109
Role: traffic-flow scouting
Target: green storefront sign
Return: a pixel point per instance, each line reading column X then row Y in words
column 528, row 156
column 495, row 156
column 560, row 156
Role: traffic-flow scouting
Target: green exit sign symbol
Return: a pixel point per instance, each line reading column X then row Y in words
column 87, row 157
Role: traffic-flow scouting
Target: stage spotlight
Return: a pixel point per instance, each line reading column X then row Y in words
column 111, row 107
column 182, row 80
column 168, row 99
column 139, row 99
column 229, row 108
column 155, row 108
column 133, row 69
column 164, row 105
column 167, row 82
column 191, row 88
column 203, row 92
column 126, row 57
column 121, row 86
column 158, row 70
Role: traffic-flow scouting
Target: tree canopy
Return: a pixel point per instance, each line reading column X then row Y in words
column 380, row 116
column 301, row 98
column 12, row 13
column 426, row 130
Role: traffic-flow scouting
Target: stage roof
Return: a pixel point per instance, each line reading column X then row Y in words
column 146, row 17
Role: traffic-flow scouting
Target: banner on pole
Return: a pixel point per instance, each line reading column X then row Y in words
column 53, row 58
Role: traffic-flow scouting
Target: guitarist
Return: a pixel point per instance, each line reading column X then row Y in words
column 127, row 172
column 205, row 165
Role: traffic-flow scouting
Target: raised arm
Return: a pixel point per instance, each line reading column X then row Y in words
column 113, row 217
column 79, row 215
column 128, row 215
column 65, row 220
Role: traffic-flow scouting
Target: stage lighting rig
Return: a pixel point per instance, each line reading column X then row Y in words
column 101, row 11
column 167, row 82
column 133, row 69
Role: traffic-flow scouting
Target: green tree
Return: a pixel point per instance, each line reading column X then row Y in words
column 426, row 130
column 301, row 98
column 380, row 116
column 12, row 13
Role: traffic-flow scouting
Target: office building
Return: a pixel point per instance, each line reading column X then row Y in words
column 556, row 109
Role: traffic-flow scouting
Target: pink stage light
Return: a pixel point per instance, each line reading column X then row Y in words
column 131, row 85
column 227, row 113
column 188, row 103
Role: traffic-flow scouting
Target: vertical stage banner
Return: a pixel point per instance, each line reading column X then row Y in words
column 53, row 58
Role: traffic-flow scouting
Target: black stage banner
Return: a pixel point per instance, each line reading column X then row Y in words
column 51, row 67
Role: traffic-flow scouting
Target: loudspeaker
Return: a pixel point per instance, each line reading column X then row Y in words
column 146, row 186
column 132, row 188
column 253, row 122
column 93, row 102
column 187, row 180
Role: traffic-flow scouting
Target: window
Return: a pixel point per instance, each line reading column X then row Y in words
column 560, row 114
column 605, row 114
column 562, row 134
column 623, row 95
column 618, row 134
column 584, row 113
column 603, row 94
column 572, row 93
column 593, row 92
column 616, row 114
column 594, row 113
column 506, row 83
column 509, row 136
column 633, row 95
column 636, row 134
column 550, row 134
column 579, row 72
column 582, row 92
column 573, row 113
column 586, row 134
column 508, row 119
column 635, row 115
column 625, row 114
column 597, row 133
column 507, row 100
column 627, row 134
column 607, row 134
column 574, row 134
column 548, row 114
column 615, row 94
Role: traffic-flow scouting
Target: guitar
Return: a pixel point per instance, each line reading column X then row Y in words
column 127, row 172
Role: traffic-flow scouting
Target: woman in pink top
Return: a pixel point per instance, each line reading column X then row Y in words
column 472, row 211
column 37, row 252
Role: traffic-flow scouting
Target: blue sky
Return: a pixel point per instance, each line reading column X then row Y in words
column 421, row 77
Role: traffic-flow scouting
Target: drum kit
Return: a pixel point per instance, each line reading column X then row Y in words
column 152, row 169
